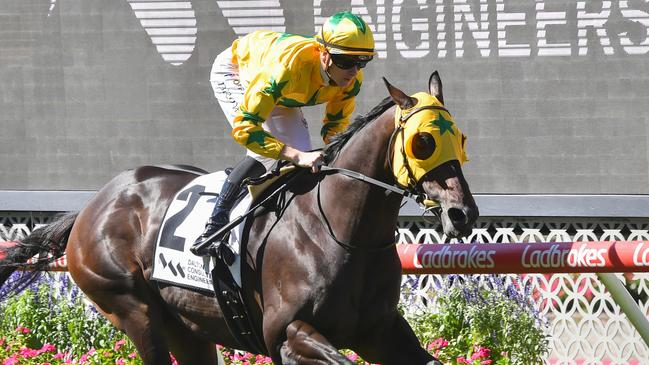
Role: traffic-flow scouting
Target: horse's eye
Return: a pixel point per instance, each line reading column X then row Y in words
column 422, row 146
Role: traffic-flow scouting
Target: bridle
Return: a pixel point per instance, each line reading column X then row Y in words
column 413, row 190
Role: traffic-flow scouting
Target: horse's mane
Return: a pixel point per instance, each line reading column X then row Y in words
column 334, row 147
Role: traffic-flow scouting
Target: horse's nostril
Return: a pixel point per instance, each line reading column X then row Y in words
column 457, row 215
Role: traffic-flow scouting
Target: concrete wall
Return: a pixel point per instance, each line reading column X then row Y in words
column 552, row 94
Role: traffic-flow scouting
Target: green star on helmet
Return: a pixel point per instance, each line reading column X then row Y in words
column 274, row 88
column 338, row 17
column 443, row 125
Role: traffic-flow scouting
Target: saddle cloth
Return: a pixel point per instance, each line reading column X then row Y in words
column 183, row 222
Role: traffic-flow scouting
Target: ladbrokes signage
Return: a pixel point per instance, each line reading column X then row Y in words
column 609, row 256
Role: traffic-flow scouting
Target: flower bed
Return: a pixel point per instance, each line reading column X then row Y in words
column 478, row 321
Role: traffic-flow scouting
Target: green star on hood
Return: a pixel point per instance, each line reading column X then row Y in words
column 257, row 136
column 443, row 125
column 274, row 88
column 351, row 17
column 353, row 91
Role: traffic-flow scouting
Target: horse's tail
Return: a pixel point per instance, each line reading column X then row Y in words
column 48, row 242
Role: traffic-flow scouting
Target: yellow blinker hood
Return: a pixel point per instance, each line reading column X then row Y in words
column 449, row 140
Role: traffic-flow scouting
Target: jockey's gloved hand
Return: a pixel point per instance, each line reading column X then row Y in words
column 312, row 160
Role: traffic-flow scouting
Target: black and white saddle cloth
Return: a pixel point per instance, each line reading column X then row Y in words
column 184, row 221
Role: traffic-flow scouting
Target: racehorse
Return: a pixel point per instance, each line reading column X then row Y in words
column 323, row 275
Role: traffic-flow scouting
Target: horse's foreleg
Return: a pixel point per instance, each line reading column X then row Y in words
column 397, row 344
column 305, row 345
column 189, row 349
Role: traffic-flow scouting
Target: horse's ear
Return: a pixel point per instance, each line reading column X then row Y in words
column 403, row 101
column 435, row 86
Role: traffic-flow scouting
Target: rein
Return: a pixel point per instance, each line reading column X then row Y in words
column 347, row 246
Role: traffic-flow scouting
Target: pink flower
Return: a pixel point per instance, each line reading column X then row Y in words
column 106, row 354
column 28, row 353
column 85, row 356
column 11, row 361
column 486, row 362
column 22, row 329
column 59, row 356
column 46, row 363
column 462, row 360
column 352, row 356
column 481, row 351
column 119, row 344
column 437, row 344
column 48, row 347
column 120, row 361
column 132, row 355
column 263, row 359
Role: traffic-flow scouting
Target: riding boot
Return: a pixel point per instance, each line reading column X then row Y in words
column 249, row 167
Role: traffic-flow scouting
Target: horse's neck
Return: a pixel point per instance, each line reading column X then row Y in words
column 365, row 215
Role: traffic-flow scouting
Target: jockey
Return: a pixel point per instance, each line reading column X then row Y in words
column 261, row 83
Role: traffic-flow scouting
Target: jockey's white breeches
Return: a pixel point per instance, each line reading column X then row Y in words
column 286, row 124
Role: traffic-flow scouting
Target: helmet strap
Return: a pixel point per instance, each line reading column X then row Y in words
column 327, row 67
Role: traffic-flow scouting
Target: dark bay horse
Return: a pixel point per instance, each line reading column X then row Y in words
column 319, row 284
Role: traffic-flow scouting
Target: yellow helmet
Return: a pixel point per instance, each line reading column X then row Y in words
column 346, row 33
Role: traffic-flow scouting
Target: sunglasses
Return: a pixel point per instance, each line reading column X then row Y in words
column 346, row 62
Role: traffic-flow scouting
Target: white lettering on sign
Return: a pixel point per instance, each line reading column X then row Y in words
column 641, row 255
column 171, row 25
column 637, row 17
column 554, row 257
column 417, row 25
column 507, row 20
column 595, row 21
column 447, row 258
column 428, row 28
column 550, row 20
column 479, row 29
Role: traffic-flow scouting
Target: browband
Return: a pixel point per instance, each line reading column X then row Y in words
column 404, row 118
